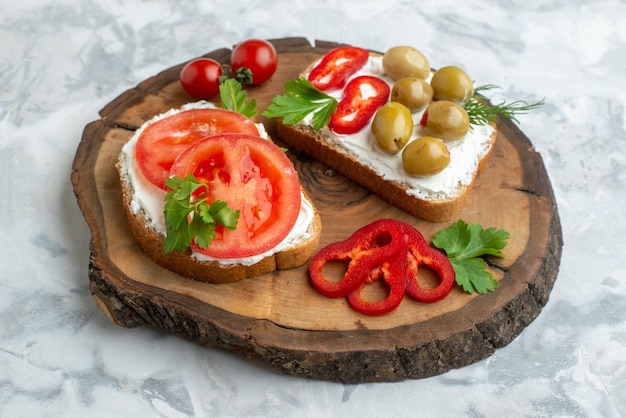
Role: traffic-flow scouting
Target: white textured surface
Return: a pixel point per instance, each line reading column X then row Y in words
column 62, row 60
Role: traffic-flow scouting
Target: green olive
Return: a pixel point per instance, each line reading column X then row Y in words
column 425, row 156
column 405, row 61
column 392, row 127
column 446, row 120
column 412, row 92
column 452, row 83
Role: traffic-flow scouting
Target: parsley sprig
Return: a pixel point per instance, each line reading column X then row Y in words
column 465, row 245
column 235, row 98
column 482, row 114
column 301, row 99
column 191, row 217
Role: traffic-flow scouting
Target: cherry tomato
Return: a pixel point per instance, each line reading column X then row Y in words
column 162, row 141
column 252, row 175
column 336, row 66
column 257, row 55
column 361, row 99
column 201, row 78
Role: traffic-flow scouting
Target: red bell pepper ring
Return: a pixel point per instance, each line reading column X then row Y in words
column 420, row 253
column 392, row 272
column 361, row 99
column 385, row 249
column 366, row 249
column 337, row 66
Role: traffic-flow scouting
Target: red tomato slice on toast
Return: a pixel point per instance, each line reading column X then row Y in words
column 250, row 174
column 162, row 141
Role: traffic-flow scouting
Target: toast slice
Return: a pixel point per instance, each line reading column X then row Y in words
column 432, row 206
column 143, row 204
column 435, row 198
column 186, row 264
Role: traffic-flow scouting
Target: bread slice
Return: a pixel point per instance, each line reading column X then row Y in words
column 145, row 217
column 304, row 138
column 185, row 264
column 414, row 195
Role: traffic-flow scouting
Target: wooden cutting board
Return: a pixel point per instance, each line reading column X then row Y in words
column 279, row 317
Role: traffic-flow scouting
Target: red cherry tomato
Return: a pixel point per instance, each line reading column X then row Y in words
column 252, row 175
column 257, row 55
column 162, row 141
column 336, row 66
column 361, row 99
column 201, row 78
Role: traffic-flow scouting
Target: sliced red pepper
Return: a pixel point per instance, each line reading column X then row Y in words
column 366, row 249
column 424, row 118
column 393, row 273
column 361, row 99
column 420, row 253
column 336, row 66
column 385, row 249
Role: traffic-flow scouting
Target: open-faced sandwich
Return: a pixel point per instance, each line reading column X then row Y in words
column 418, row 138
column 209, row 196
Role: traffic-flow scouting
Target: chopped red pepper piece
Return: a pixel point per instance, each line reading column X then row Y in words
column 385, row 249
column 361, row 99
column 336, row 66
column 424, row 118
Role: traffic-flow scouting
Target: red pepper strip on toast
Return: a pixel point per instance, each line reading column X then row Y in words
column 336, row 66
column 361, row 99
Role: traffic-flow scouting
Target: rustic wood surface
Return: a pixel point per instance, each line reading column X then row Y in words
column 279, row 317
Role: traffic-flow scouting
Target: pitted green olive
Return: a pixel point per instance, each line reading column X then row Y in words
column 446, row 120
column 425, row 156
column 405, row 61
column 413, row 92
column 452, row 83
column 392, row 127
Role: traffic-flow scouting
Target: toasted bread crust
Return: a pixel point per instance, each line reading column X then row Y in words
column 184, row 264
column 305, row 139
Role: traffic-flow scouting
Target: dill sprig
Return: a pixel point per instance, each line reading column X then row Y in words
column 482, row 114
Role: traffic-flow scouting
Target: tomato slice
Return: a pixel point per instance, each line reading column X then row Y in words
column 336, row 66
column 162, row 141
column 361, row 99
column 252, row 175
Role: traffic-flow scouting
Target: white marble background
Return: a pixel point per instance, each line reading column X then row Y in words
column 62, row 60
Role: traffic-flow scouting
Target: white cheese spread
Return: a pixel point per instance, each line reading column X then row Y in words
column 147, row 199
column 465, row 153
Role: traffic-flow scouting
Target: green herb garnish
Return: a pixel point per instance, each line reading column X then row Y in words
column 190, row 217
column 465, row 244
column 481, row 114
column 301, row 99
column 234, row 98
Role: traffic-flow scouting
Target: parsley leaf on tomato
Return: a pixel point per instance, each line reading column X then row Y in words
column 234, row 98
column 189, row 217
column 464, row 245
column 301, row 99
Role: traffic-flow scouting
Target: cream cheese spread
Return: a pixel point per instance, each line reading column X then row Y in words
column 465, row 153
column 147, row 199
